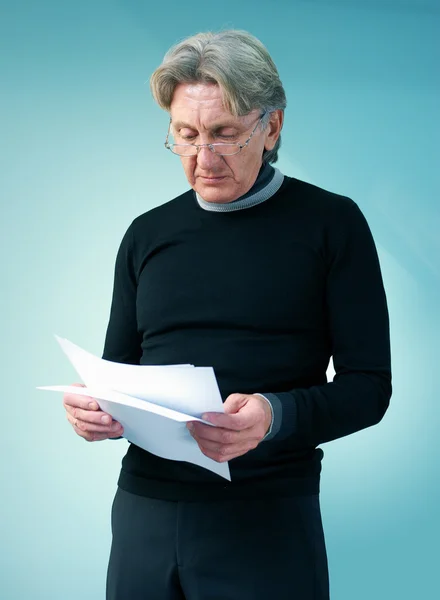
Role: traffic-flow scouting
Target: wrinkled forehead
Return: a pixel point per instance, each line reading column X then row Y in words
column 197, row 99
column 201, row 105
column 197, row 93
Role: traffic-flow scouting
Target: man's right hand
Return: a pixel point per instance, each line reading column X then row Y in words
column 88, row 421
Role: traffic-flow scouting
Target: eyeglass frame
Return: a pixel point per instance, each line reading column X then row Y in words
column 212, row 146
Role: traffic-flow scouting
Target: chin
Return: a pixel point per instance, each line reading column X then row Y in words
column 217, row 194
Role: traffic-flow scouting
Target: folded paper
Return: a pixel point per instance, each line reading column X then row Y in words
column 152, row 403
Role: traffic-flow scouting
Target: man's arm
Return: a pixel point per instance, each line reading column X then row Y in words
column 122, row 344
column 122, row 340
column 358, row 326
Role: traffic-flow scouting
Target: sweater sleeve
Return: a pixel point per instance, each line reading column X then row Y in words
column 122, row 341
column 358, row 326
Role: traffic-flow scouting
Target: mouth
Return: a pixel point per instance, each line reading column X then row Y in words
column 211, row 180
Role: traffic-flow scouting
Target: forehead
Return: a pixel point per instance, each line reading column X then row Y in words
column 200, row 104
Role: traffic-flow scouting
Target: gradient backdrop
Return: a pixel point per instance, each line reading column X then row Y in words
column 82, row 155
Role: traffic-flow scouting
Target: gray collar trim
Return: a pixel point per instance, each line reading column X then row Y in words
column 271, row 188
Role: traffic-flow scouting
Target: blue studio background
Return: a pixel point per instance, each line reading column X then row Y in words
column 82, row 154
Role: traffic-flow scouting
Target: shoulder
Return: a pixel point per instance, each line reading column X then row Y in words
column 327, row 221
column 311, row 197
column 321, row 208
column 149, row 228
column 160, row 215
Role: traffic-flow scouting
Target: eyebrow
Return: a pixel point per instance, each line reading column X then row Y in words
column 181, row 124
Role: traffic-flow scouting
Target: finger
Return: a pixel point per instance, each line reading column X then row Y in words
column 235, row 402
column 90, row 416
column 224, row 449
column 226, row 453
column 216, row 434
column 236, row 422
column 91, row 436
column 84, row 402
column 249, row 412
column 114, row 427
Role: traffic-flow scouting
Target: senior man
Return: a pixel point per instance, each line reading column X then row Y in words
column 264, row 277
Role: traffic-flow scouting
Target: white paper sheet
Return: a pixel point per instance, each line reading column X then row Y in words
column 184, row 388
column 152, row 403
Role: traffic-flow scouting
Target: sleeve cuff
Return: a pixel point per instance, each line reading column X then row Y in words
column 277, row 411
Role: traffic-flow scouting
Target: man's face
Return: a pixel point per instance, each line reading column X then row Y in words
column 199, row 117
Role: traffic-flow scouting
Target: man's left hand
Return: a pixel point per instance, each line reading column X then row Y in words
column 246, row 421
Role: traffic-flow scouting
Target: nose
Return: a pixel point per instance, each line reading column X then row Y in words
column 206, row 159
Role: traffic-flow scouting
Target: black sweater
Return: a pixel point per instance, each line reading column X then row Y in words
column 265, row 295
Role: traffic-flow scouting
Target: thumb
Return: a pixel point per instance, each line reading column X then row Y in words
column 234, row 403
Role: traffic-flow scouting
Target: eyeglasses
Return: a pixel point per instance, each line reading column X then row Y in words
column 220, row 148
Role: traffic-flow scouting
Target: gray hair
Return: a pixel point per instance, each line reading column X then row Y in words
column 234, row 60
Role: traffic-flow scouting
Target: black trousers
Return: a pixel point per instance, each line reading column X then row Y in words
column 235, row 550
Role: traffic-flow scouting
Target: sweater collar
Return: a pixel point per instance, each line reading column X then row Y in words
column 268, row 182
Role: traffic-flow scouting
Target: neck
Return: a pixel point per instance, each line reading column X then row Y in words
column 268, row 182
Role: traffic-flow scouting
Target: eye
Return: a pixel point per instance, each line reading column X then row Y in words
column 186, row 134
column 226, row 134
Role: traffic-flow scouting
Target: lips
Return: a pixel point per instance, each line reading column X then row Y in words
column 211, row 179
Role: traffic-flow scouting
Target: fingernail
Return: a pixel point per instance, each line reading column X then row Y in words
column 105, row 419
column 190, row 426
column 116, row 426
column 93, row 406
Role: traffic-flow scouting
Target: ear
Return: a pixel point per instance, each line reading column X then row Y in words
column 273, row 129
